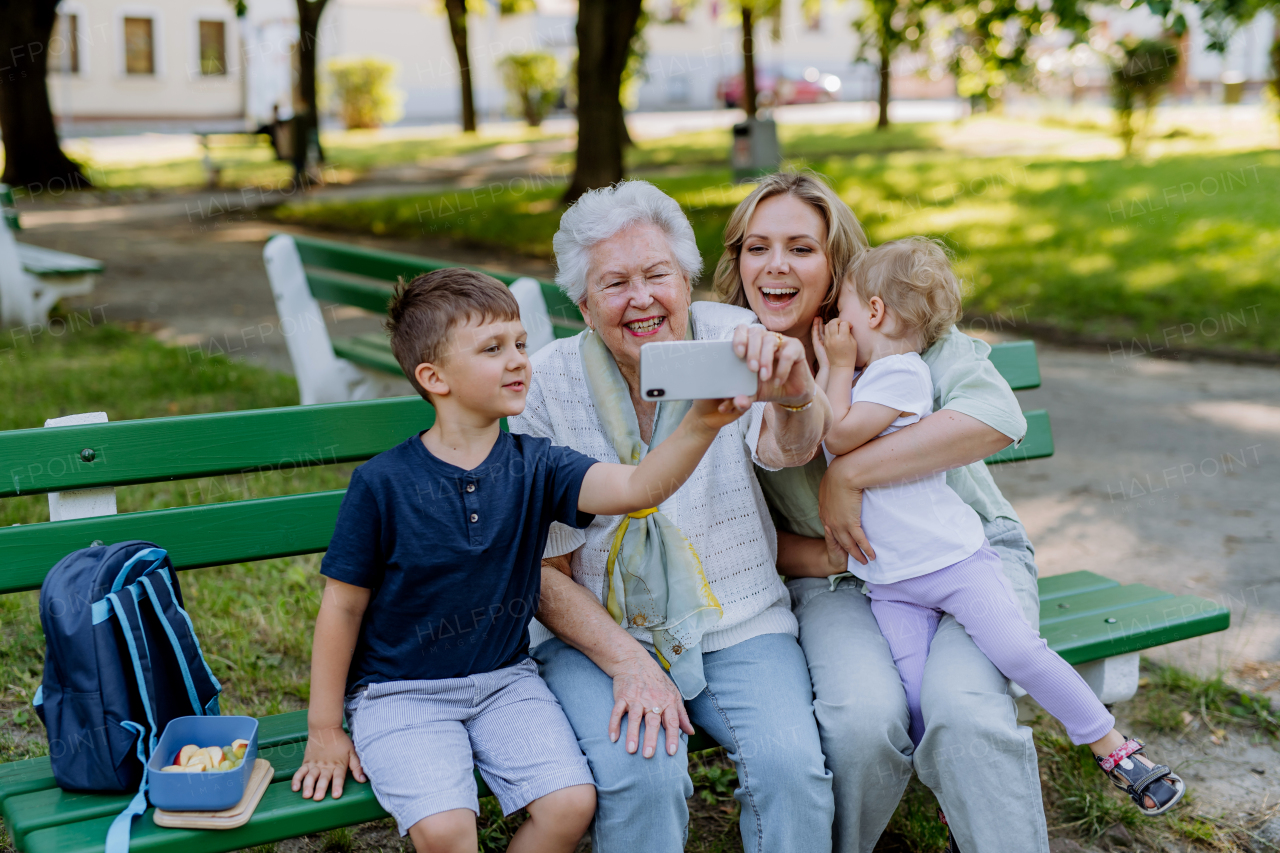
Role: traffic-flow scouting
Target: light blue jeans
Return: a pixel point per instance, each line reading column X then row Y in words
column 758, row 704
column 974, row 756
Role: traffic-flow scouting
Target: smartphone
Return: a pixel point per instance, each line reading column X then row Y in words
column 694, row 370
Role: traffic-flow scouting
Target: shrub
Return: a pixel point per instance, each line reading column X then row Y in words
column 534, row 82
column 363, row 90
column 1141, row 71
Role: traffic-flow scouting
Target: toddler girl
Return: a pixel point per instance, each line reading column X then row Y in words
column 931, row 556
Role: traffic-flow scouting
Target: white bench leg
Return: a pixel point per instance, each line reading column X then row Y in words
column 1113, row 679
column 322, row 376
column 81, row 503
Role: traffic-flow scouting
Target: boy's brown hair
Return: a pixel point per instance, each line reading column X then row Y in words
column 914, row 279
column 423, row 313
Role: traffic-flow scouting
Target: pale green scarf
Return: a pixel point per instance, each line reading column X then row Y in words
column 654, row 579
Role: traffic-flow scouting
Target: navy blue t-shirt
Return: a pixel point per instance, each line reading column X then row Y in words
column 453, row 557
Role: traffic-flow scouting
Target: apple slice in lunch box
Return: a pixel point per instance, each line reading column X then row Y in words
column 239, row 746
column 184, row 756
column 215, row 755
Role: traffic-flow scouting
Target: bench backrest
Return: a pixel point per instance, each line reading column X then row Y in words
column 159, row 449
column 8, row 208
column 354, row 275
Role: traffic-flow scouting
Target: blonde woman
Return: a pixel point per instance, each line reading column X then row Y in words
column 787, row 247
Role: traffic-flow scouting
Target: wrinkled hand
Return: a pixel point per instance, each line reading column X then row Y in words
column 840, row 508
column 639, row 688
column 838, row 342
column 837, row 557
column 329, row 753
column 780, row 363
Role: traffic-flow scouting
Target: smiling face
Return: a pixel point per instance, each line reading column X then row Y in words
column 636, row 294
column 784, row 267
column 484, row 371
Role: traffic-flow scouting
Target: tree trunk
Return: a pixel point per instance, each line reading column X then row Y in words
column 33, row 157
column 883, row 121
column 457, row 12
column 307, row 122
column 605, row 29
column 748, row 62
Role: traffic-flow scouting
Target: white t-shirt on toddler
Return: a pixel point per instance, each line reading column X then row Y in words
column 919, row 526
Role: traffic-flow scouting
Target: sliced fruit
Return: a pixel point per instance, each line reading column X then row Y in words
column 226, row 764
column 174, row 768
column 215, row 754
column 200, row 759
column 184, row 756
column 239, row 746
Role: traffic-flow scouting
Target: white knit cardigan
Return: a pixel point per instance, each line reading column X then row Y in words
column 720, row 509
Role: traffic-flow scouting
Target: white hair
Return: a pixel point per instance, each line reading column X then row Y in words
column 599, row 214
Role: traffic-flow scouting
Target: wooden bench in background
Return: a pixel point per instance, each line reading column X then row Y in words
column 1092, row 621
column 33, row 278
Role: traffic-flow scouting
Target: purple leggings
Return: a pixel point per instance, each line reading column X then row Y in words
column 976, row 592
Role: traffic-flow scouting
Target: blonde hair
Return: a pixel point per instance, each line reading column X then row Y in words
column 914, row 279
column 846, row 242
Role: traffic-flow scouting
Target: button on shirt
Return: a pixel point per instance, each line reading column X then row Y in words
column 453, row 557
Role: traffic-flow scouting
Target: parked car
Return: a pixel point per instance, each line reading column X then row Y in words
column 775, row 88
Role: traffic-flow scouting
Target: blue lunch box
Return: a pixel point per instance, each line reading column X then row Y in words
column 212, row 790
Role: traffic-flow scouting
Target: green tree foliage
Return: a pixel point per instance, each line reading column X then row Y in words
column 988, row 40
column 1141, row 72
column 534, row 81
column 362, row 87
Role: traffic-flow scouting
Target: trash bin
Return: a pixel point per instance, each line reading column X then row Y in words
column 755, row 149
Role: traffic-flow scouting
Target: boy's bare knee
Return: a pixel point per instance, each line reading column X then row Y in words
column 569, row 807
column 453, row 831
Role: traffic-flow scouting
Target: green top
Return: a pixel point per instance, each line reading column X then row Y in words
column 964, row 380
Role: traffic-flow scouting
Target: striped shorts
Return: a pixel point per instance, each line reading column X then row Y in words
column 418, row 741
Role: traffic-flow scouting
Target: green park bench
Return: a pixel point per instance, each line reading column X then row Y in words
column 78, row 460
column 33, row 278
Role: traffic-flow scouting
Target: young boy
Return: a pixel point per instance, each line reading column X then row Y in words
column 931, row 556
column 433, row 575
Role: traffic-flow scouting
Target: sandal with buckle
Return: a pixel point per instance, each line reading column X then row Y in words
column 1139, row 781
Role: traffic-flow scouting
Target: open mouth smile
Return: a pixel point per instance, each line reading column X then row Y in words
column 777, row 296
column 646, row 326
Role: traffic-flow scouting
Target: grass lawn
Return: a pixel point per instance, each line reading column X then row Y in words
column 1179, row 251
column 255, row 620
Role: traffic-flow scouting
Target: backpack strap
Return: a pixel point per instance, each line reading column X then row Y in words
column 136, row 642
column 156, row 555
column 121, row 828
column 183, row 640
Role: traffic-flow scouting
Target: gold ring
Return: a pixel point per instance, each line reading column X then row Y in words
column 780, row 338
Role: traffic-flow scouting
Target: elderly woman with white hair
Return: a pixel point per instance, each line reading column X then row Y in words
column 675, row 617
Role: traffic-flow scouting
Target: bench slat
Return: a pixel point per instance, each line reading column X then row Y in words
column 281, row 814
column 388, row 267
column 1098, row 602
column 1038, row 442
column 35, row 774
column 1136, row 627
column 1017, row 363
column 154, row 449
column 207, row 535
column 348, row 289
column 1072, row 583
column 38, row 260
column 52, row 806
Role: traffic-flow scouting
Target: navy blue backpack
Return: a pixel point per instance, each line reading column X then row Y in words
column 121, row 661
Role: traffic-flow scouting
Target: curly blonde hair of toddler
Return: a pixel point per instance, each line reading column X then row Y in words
column 914, row 279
